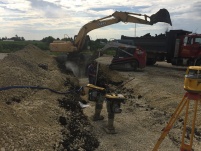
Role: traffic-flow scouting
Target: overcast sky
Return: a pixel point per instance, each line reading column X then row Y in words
column 36, row 19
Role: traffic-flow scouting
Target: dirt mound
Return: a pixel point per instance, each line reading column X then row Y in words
column 21, row 68
column 110, row 74
column 31, row 115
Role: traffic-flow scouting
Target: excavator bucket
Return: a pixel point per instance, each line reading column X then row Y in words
column 161, row 16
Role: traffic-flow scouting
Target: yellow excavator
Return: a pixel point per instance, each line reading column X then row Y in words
column 72, row 49
column 79, row 41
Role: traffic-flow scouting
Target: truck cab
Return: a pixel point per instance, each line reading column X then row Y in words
column 183, row 48
column 191, row 46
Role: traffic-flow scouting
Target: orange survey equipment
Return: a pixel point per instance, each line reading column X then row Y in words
column 192, row 81
column 193, row 95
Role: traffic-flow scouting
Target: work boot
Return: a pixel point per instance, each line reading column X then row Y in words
column 97, row 116
column 110, row 127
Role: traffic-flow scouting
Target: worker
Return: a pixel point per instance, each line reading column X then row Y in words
column 96, row 95
column 101, row 82
column 91, row 70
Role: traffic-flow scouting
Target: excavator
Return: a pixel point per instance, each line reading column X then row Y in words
column 73, row 48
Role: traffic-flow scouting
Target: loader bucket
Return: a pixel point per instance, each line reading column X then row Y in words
column 161, row 16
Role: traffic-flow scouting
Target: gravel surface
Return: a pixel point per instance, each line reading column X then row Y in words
column 152, row 97
column 42, row 120
column 3, row 55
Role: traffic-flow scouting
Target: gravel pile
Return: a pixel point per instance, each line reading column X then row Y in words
column 30, row 119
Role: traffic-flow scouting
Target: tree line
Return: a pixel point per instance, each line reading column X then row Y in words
column 16, row 38
column 17, row 43
column 48, row 39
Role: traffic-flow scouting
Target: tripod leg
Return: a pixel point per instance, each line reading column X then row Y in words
column 193, row 124
column 184, row 129
column 171, row 122
column 186, row 147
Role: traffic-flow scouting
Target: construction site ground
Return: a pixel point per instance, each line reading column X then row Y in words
column 32, row 119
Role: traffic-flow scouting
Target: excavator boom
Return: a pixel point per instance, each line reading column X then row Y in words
column 161, row 16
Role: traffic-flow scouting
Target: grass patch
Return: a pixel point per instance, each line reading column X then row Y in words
column 12, row 46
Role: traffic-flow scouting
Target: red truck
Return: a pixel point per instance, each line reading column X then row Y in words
column 178, row 47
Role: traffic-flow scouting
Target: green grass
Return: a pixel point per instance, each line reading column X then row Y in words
column 12, row 46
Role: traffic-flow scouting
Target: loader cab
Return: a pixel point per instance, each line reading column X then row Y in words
column 125, row 41
column 130, row 54
column 124, row 52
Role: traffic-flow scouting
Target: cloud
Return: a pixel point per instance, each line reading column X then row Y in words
column 59, row 17
column 15, row 5
column 47, row 9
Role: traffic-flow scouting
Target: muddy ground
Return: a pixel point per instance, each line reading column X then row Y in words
column 40, row 119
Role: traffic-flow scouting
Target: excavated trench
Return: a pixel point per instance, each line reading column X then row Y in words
column 76, row 128
column 77, row 131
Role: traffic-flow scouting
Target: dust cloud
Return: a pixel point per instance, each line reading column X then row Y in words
column 77, row 71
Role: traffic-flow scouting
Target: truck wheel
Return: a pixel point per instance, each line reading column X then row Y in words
column 134, row 65
column 151, row 61
column 198, row 63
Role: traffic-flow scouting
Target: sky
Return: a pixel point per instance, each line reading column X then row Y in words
column 37, row 19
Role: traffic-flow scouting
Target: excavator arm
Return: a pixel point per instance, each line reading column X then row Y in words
column 161, row 16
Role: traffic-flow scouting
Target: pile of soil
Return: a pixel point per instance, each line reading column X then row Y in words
column 38, row 119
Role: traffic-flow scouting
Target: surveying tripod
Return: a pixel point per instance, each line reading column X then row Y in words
column 192, row 85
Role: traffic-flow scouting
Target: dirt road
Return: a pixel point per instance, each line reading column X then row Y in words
column 151, row 99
